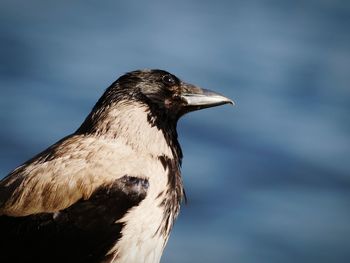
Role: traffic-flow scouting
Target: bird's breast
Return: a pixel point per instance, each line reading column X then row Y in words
column 142, row 238
column 146, row 227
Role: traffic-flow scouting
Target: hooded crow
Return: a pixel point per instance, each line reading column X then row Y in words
column 109, row 192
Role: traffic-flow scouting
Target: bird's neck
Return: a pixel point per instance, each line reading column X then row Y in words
column 138, row 126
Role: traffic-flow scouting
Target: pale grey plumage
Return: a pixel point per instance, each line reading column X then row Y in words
column 127, row 143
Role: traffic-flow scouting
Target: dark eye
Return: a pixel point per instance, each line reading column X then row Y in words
column 168, row 80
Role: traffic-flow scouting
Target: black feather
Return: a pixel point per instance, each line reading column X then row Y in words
column 83, row 232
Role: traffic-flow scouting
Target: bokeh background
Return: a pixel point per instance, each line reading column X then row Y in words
column 267, row 180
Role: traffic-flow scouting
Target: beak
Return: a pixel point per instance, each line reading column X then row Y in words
column 196, row 98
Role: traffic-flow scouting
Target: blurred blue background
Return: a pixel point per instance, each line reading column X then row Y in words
column 268, row 180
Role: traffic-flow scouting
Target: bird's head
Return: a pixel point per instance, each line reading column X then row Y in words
column 164, row 92
column 164, row 96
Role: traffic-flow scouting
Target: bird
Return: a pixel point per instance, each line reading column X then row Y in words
column 111, row 190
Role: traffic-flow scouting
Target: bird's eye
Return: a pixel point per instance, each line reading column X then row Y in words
column 168, row 80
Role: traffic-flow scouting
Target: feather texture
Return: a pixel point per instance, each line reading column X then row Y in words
column 111, row 191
